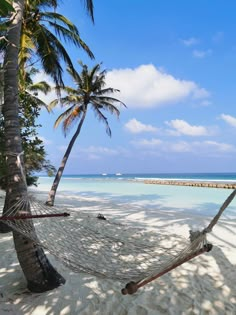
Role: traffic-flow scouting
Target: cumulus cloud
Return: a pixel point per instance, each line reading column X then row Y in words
column 135, row 126
column 190, row 41
column 181, row 127
column 206, row 148
column 148, row 87
column 202, row 53
column 229, row 119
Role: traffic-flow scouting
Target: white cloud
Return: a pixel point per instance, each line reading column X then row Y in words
column 147, row 87
column 202, row 53
column 219, row 146
column 147, row 143
column 135, row 126
column 204, row 148
column 190, row 41
column 90, row 152
column 205, row 103
column 229, row 119
column 98, row 150
column 180, row 146
column 181, row 127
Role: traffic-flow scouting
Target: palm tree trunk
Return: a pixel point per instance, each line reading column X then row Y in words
column 39, row 273
column 52, row 193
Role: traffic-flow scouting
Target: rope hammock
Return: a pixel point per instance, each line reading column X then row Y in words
column 103, row 248
column 106, row 249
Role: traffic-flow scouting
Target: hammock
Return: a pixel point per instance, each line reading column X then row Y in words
column 103, row 248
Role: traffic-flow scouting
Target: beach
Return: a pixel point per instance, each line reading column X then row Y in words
column 204, row 285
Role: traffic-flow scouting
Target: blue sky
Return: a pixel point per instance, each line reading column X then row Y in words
column 175, row 65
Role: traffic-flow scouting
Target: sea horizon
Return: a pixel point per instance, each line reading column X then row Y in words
column 186, row 176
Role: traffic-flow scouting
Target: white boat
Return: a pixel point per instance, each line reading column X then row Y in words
column 118, row 174
column 104, row 174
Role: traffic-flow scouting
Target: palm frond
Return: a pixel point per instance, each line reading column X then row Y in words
column 63, row 116
column 71, row 120
column 33, row 99
column 71, row 90
column 41, row 86
column 107, row 91
column 97, row 103
column 58, row 19
column 103, row 119
column 110, row 99
column 90, row 8
column 75, row 76
column 53, row 104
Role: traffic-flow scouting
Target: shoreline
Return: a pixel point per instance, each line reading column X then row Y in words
column 203, row 184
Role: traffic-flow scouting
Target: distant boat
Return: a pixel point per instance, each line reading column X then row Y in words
column 118, row 174
column 104, row 174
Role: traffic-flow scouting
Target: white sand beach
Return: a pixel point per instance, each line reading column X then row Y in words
column 205, row 285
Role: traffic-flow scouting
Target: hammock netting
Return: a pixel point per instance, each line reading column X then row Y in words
column 92, row 244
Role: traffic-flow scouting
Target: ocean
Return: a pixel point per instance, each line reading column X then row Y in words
column 129, row 189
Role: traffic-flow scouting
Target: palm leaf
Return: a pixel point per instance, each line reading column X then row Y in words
column 5, row 8
column 103, row 119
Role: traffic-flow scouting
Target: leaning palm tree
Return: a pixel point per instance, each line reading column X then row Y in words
column 39, row 273
column 90, row 91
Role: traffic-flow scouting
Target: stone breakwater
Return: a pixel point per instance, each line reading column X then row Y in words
column 191, row 183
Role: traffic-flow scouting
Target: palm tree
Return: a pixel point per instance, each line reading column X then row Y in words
column 41, row 35
column 39, row 273
column 90, row 90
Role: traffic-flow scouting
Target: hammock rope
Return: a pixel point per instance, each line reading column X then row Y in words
column 105, row 248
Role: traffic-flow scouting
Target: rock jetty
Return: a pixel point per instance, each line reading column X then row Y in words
column 191, row 183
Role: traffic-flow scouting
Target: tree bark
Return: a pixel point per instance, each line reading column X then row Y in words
column 52, row 193
column 39, row 273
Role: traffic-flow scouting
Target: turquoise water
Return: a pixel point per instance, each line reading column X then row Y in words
column 122, row 189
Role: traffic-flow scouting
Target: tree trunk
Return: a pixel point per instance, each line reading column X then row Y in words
column 52, row 193
column 39, row 273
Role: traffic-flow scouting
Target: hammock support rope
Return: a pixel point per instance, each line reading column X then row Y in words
column 132, row 287
column 33, row 216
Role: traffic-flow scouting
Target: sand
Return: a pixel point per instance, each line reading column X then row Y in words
column 206, row 285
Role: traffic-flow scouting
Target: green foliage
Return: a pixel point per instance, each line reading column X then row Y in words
column 5, row 7
column 43, row 34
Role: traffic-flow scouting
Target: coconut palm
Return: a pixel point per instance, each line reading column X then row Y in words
column 90, row 91
column 39, row 273
column 42, row 33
